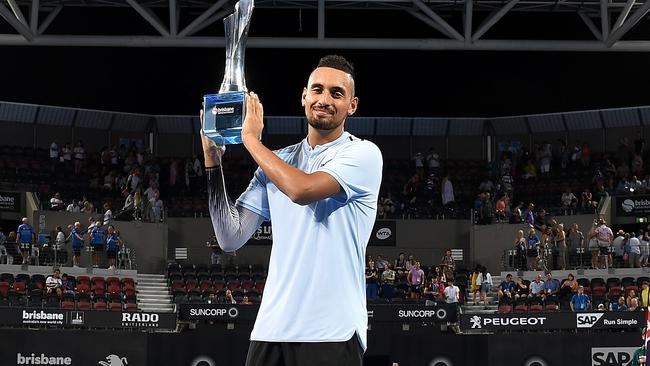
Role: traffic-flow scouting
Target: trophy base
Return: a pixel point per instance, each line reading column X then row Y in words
column 223, row 117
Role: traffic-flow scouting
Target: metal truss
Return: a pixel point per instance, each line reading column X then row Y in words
column 607, row 20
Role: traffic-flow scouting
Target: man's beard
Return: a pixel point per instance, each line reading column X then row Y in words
column 324, row 125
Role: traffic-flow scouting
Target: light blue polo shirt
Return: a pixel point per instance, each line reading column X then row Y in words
column 315, row 290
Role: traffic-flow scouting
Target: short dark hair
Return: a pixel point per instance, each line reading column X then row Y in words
column 337, row 62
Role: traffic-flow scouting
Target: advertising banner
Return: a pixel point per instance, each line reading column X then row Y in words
column 89, row 319
column 550, row 320
column 633, row 206
column 376, row 313
column 263, row 235
column 59, row 347
column 384, row 233
column 10, row 201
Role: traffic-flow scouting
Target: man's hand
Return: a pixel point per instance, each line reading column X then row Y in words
column 212, row 153
column 254, row 121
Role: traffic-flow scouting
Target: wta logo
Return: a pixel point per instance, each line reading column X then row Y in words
column 383, row 233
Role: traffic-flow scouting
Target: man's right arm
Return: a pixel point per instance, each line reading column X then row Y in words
column 233, row 224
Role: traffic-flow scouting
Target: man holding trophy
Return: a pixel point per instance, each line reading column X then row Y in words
column 321, row 195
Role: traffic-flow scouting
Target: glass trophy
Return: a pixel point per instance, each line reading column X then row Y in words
column 224, row 112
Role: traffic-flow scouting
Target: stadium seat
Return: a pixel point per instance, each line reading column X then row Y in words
column 36, row 298
column 115, row 306
column 641, row 280
column 521, row 308
column 7, row 277
column 68, row 305
column 83, row 305
column 247, row 284
column 4, row 289
column 98, row 286
column 505, row 309
column 51, row 302
column 259, row 286
column 191, row 284
column 176, row 284
column 628, row 281
column 22, row 277
column 128, row 281
column 535, row 308
column 131, row 307
column 613, row 282
column 216, row 269
column 614, row 293
column 551, row 307
column 20, row 287
column 128, row 289
column 232, row 284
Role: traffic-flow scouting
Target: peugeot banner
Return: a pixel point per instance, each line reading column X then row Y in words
column 10, row 201
column 384, row 233
column 553, row 320
column 632, row 205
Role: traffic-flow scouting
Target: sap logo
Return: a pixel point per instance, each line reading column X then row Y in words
column 140, row 318
column 42, row 359
column 611, row 356
column 114, row 360
column 383, row 233
column 587, row 320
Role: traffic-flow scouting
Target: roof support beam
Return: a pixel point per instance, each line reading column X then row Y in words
column 624, row 13
column 15, row 23
column 216, row 17
column 628, row 24
column 469, row 8
column 16, row 9
column 430, row 22
column 493, row 19
column 149, row 16
column 49, row 19
column 438, row 19
column 216, row 6
column 590, row 24
column 173, row 17
column 33, row 19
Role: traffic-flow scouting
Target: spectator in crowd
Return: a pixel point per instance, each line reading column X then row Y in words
column 113, row 243
column 216, row 251
column 86, row 205
column 475, row 287
column 73, row 207
column 569, row 201
column 54, row 284
column 60, row 237
column 108, row 214
column 4, row 254
column 77, row 243
column 228, row 299
column 68, row 284
column 410, row 263
column 537, row 287
column 388, row 275
column 639, row 356
column 447, row 191
column 381, row 263
column 54, row 155
column 26, row 239
column 501, row 207
column 448, row 264
column 620, row 305
column 517, row 214
column 551, row 288
column 568, row 287
column 634, row 251
column 66, row 157
column 486, row 213
column 520, row 251
column 532, row 249
column 128, row 202
column 56, row 203
column 137, row 206
column 245, row 301
column 97, row 242
column 529, row 215
column 561, row 246
column 631, row 295
column 574, row 239
column 604, row 236
column 400, row 264
column 521, row 289
column 431, row 291
column 442, row 277
column 580, row 302
column 644, row 293
column 588, row 202
column 79, row 157
column 433, row 162
column 156, row 205
column 506, row 290
column 372, row 287
column 415, row 279
column 634, row 305
column 485, row 280
column 452, row 293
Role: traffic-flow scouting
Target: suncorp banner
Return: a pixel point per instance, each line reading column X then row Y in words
column 549, row 320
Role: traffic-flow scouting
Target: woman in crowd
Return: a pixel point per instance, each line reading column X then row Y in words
column 568, row 288
column 484, row 279
column 532, row 249
column 113, row 243
column 521, row 289
column 400, row 264
column 560, row 244
column 475, row 288
column 520, row 251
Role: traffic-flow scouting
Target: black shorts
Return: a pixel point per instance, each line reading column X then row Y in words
column 531, row 253
column 111, row 254
column 98, row 248
column 347, row 353
column 76, row 251
column 604, row 250
column 415, row 288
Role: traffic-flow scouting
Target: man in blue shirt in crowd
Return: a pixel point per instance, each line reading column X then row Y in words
column 551, row 287
column 580, row 302
column 97, row 241
column 26, row 238
column 77, row 243
column 506, row 290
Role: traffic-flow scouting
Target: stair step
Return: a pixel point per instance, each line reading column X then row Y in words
column 153, row 296
column 156, row 302
column 145, row 275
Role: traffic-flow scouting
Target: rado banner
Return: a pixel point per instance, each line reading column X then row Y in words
column 550, row 320
column 383, row 233
column 87, row 319
column 263, row 235
column 10, row 201
column 632, row 205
